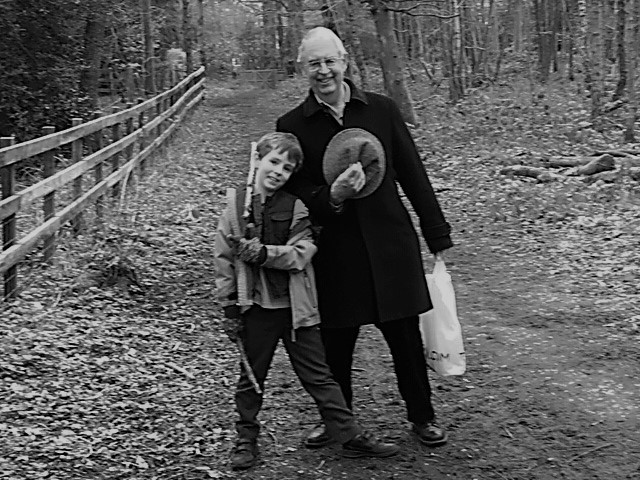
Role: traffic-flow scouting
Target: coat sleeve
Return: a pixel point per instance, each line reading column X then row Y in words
column 224, row 260
column 416, row 185
column 300, row 248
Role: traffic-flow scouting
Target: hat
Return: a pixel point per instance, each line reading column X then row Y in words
column 355, row 145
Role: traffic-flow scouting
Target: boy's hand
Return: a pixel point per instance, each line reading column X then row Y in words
column 232, row 322
column 234, row 242
column 251, row 251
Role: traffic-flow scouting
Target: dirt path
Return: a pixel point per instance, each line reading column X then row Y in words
column 104, row 385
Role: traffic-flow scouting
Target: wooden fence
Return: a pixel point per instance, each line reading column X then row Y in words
column 262, row 78
column 132, row 136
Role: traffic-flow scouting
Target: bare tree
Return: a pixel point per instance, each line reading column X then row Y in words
column 93, row 42
column 186, row 36
column 148, row 63
column 270, row 36
column 201, row 43
column 391, row 62
column 621, row 15
column 352, row 37
column 632, row 34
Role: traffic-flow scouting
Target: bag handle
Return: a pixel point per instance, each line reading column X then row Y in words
column 439, row 267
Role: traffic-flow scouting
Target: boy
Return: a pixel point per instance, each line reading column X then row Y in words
column 282, row 301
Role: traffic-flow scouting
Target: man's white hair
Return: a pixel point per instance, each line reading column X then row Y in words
column 325, row 34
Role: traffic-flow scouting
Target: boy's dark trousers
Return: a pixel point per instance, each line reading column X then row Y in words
column 263, row 328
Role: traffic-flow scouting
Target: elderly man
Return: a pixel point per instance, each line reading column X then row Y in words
column 368, row 266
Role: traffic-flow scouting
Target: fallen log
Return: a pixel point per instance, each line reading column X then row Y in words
column 618, row 153
column 608, row 177
column 567, row 162
column 602, row 163
column 523, row 171
column 540, row 174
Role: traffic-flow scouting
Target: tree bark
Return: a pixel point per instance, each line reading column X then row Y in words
column 353, row 40
column 201, row 44
column 93, row 42
column 390, row 61
column 270, row 34
column 632, row 33
column 622, row 58
column 517, row 26
column 186, row 36
column 148, row 63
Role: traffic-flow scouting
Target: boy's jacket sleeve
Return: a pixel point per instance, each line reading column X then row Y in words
column 300, row 248
column 225, row 275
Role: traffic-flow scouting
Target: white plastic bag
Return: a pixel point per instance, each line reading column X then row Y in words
column 440, row 328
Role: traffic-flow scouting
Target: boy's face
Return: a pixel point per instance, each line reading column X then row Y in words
column 274, row 170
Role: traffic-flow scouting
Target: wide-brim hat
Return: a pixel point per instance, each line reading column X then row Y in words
column 355, row 145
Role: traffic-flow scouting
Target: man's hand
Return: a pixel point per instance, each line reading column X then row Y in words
column 348, row 183
column 232, row 322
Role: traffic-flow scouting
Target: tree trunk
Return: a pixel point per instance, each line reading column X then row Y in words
column 186, row 36
column 451, row 50
column 353, row 40
column 568, row 38
column 545, row 29
column 517, row 26
column 632, row 34
column 269, row 20
column 458, row 53
column 390, row 62
column 590, row 13
column 148, row 65
column 201, row 45
column 622, row 58
column 93, row 41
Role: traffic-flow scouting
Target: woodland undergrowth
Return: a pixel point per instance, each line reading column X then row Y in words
column 114, row 366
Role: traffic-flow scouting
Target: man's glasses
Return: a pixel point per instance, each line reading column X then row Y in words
column 316, row 65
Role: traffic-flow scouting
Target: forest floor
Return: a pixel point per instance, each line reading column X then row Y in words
column 114, row 366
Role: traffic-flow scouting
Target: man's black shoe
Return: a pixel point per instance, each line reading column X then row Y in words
column 430, row 434
column 318, row 438
column 245, row 454
column 365, row 446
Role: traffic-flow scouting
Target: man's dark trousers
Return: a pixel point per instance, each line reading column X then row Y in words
column 405, row 343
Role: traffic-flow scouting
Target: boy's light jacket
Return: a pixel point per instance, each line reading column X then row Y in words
column 295, row 257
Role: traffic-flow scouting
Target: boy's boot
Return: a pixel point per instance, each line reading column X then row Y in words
column 364, row 445
column 245, row 454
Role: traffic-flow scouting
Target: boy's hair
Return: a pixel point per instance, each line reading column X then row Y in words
column 283, row 143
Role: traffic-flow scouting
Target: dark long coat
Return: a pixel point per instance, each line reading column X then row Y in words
column 368, row 265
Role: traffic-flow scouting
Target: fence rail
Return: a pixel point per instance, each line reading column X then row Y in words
column 134, row 134
column 262, row 78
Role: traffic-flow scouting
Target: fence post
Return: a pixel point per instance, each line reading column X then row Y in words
column 129, row 83
column 97, row 170
column 159, row 128
column 76, row 156
column 49, row 206
column 7, row 179
column 115, row 159
column 166, row 106
column 129, row 179
column 143, row 140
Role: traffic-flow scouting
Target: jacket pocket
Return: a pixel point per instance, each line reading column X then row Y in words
column 277, row 228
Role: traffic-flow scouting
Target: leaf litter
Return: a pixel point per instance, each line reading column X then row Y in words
column 113, row 363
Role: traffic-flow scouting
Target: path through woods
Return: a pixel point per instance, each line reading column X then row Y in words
column 113, row 364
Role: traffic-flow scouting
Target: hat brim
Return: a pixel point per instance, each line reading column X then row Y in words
column 334, row 161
